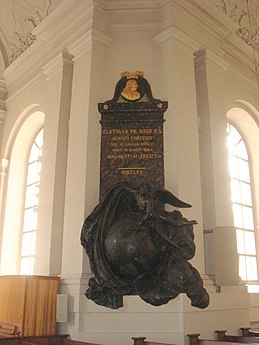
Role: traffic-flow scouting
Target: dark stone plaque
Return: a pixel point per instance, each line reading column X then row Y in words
column 132, row 135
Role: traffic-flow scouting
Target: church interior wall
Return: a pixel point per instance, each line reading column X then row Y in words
column 184, row 49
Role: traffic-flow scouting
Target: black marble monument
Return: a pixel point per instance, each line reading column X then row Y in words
column 132, row 134
column 135, row 246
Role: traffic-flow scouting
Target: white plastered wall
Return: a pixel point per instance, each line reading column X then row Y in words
column 77, row 64
column 49, row 92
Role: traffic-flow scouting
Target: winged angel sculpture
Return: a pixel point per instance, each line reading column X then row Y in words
column 136, row 247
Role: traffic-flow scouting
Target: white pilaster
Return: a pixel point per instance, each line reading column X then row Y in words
column 182, row 162
column 82, row 183
column 59, row 74
column 217, row 207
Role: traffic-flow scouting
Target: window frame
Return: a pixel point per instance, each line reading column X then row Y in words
column 16, row 154
column 253, row 199
column 22, row 232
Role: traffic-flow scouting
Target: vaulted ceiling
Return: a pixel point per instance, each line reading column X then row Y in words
column 18, row 18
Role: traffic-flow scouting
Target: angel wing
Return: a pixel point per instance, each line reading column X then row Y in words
column 163, row 196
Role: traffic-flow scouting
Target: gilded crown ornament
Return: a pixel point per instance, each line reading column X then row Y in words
column 132, row 75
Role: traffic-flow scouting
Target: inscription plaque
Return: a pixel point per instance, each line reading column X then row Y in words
column 132, row 135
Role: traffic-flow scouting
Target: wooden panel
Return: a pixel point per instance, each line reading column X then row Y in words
column 12, row 293
column 45, row 340
column 10, row 341
column 40, row 306
column 29, row 302
column 76, row 342
column 41, row 340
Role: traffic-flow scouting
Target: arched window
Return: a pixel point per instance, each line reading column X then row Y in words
column 31, row 206
column 19, row 209
column 242, row 205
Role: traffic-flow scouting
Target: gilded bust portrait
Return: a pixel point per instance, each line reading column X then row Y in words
column 130, row 90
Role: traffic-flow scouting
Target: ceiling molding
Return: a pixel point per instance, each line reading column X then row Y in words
column 206, row 55
column 240, row 51
column 210, row 16
column 172, row 34
column 62, row 60
column 61, row 23
column 129, row 5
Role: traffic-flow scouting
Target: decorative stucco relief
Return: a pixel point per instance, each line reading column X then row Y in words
column 245, row 13
column 23, row 16
column 26, row 15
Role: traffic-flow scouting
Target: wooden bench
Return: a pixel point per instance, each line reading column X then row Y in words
column 194, row 340
column 34, row 340
column 143, row 341
column 61, row 339
column 222, row 336
column 76, row 342
column 46, row 339
column 246, row 332
column 8, row 330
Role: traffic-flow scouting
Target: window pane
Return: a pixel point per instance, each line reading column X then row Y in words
column 237, row 212
column 233, row 167
column 240, row 241
column 251, row 268
column 28, row 243
column 30, row 219
column 235, row 191
column 243, row 170
column 234, row 135
column 26, row 266
column 34, row 154
column 241, row 150
column 248, row 218
column 31, row 202
column 242, row 267
column 231, row 147
column 31, row 198
column 39, row 139
column 249, row 242
column 33, row 172
column 246, row 193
